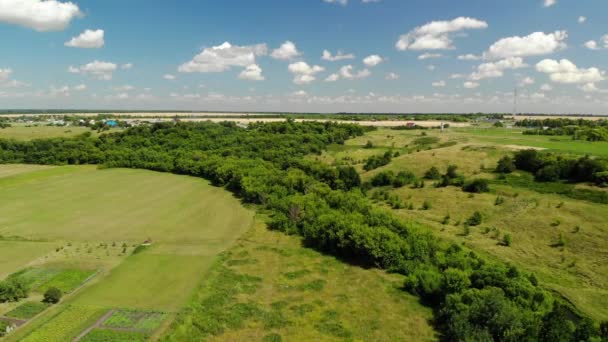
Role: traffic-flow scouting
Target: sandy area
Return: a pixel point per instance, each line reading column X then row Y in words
column 541, row 117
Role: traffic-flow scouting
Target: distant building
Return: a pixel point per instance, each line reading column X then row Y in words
column 111, row 123
column 410, row 125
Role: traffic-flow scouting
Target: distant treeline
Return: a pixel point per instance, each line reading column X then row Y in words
column 579, row 129
column 474, row 298
column 550, row 167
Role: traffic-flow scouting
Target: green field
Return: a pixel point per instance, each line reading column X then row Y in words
column 29, row 132
column 72, row 221
column 269, row 287
column 534, row 219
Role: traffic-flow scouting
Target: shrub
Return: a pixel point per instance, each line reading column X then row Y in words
column 446, row 219
column 506, row 240
column 12, row 290
column 403, row 178
column 432, row 173
column 383, row 178
column 505, row 165
column 499, row 200
column 475, row 219
column 426, row 205
column 369, row 144
column 477, row 186
column 52, row 295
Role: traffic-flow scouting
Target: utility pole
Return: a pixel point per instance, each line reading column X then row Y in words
column 514, row 102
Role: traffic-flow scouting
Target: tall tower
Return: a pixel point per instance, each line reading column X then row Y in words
column 514, row 102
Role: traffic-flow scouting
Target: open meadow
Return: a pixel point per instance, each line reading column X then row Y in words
column 529, row 212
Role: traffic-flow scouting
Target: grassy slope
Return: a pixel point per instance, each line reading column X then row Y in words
column 301, row 295
column 575, row 271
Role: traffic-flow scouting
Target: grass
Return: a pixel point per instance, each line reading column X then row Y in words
column 66, row 280
column 29, row 132
column 27, row 310
column 66, row 325
column 15, row 254
column 105, row 335
column 528, row 211
column 292, row 293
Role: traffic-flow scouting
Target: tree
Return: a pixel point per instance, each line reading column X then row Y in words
column 52, row 295
column 477, row 186
column 349, row 177
column 507, row 240
column 506, row 165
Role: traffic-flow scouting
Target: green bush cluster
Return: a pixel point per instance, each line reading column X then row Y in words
column 549, row 167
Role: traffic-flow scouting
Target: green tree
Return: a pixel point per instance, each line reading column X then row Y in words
column 52, row 295
column 506, row 164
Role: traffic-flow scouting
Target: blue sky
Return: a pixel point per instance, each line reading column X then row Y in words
column 137, row 54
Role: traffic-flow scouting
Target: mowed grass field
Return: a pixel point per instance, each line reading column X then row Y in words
column 578, row 270
column 80, row 217
column 29, row 132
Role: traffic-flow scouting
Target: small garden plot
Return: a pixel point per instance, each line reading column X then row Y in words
column 67, row 324
column 40, row 279
column 34, row 277
column 106, row 335
column 134, row 320
column 27, row 310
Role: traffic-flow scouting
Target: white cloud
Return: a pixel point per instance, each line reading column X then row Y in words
column 469, row 57
column 439, row 84
column 392, row 76
column 436, row 35
column 5, row 74
column 126, row 66
column 327, row 56
column 429, row 56
column 549, row 3
column 373, row 60
column 537, row 43
column 40, row 15
column 564, row 71
column 169, row 77
column 470, row 85
column 605, row 41
column 221, row 58
column 582, row 19
column 299, row 93
column 80, row 87
column 455, row 76
column 304, row 73
column 124, row 88
column 253, row 72
column 546, row 87
column 346, row 72
column 97, row 69
column 89, row 39
column 287, row 51
column 526, row 81
column 59, row 91
column 496, row 69
column 431, row 67
column 332, row 78
column 591, row 45
column 339, row 2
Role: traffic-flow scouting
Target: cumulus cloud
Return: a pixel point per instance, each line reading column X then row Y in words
column 546, row 87
column 564, row 71
column 5, row 74
column 221, row 58
column 537, row 43
column 80, row 87
column 304, row 73
column 582, row 19
column 346, row 72
column 392, row 76
column 40, row 15
column 436, row 35
column 126, row 66
column 327, row 56
column 431, row 67
column 339, row 2
column 526, row 81
column 469, row 57
column 89, row 39
column 439, row 84
column 97, row 69
column 470, row 85
column 287, row 51
column 373, row 60
column 591, row 45
column 549, row 3
column 253, row 72
column 169, row 77
column 496, row 69
column 429, row 56
column 124, row 88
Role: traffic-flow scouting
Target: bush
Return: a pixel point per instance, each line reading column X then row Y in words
column 403, row 178
column 383, row 178
column 499, row 200
column 507, row 240
column 506, row 165
column 12, row 290
column 426, row 205
column 432, row 173
column 477, row 186
column 369, row 144
column 52, row 295
column 475, row 219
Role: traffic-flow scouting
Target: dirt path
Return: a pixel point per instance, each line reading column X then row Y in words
column 94, row 325
column 16, row 321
